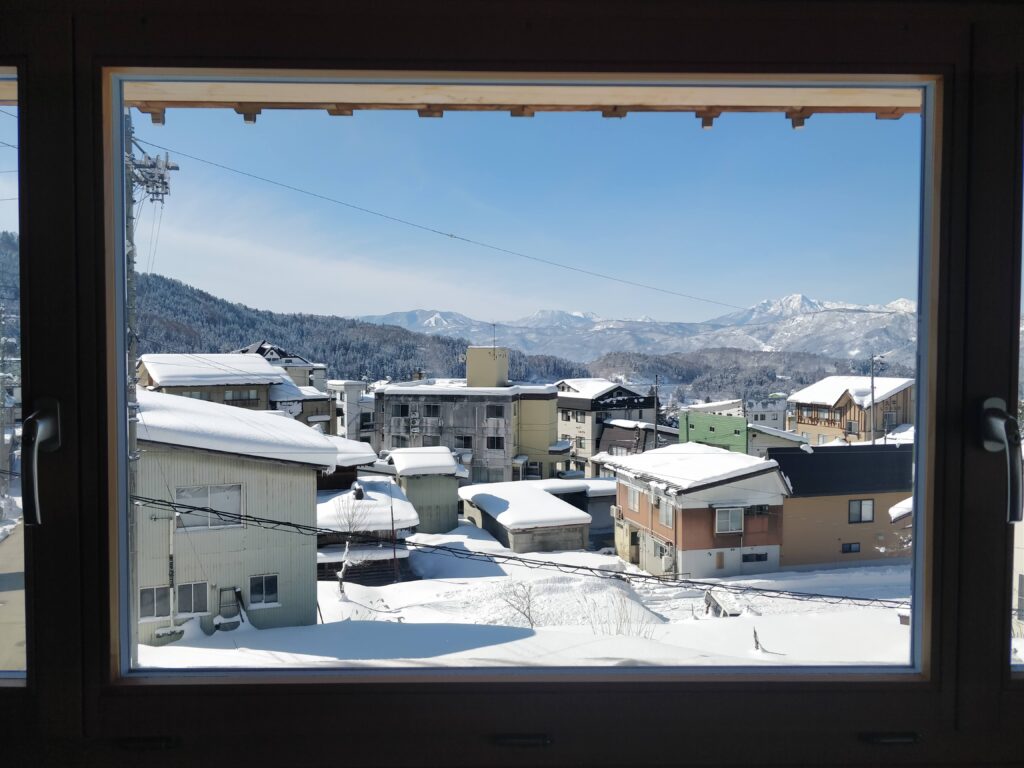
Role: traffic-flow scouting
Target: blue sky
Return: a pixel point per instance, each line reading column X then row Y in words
column 749, row 210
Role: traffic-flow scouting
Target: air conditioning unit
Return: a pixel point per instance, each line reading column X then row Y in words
column 414, row 430
column 414, row 421
column 414, row 414
column 616, row 511
column 666, row 563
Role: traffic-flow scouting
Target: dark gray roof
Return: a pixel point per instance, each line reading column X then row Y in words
column 846, row 469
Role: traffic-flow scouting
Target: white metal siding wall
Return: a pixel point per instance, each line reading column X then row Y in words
column 227, row 557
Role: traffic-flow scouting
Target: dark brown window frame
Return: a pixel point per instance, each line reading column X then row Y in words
column 972, row 705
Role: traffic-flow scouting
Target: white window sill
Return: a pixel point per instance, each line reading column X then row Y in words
column 262, row 606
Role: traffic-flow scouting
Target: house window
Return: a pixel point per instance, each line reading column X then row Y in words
column 196, row 394
column 862, row 510
column 192, row 597
column 431, row 440
column 851, row 548
column 154, row 602
column 755, row 557
column 565, row 414
column 495, row 411
column 399, row 441
column 432, row 411
column 235, row 395
column 821, row 439
column 634, row 498
column 226, row 499
column 581, row 443
column 495, row 443
column 711, row 429
column 263, row 589
column 365, row 420
column 465, row 442
column 399, row 410
column 665, row 512
column 581, row 417
column 729, row 520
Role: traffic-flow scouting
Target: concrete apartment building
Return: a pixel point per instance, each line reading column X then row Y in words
column 353, row 408
column 195, row 565
column 584, row 407
column 840, row 408
column 697, row 510
column 838, row 511
column 501, row 430
column 240, row 380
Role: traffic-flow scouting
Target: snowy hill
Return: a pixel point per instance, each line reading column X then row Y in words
column 793, row 323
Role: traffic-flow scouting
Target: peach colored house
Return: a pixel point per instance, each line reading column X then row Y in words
column 696, row 510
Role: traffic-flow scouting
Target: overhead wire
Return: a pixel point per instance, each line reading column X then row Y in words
column 537, row 564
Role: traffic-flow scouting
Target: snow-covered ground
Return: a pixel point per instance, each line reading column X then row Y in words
column 472, row 613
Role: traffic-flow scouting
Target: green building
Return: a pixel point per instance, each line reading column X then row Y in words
column 728, row 432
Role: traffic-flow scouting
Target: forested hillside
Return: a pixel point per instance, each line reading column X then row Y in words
column 727, row 373
column 174, row 317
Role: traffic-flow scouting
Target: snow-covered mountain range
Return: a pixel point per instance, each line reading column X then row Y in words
column 794, row 323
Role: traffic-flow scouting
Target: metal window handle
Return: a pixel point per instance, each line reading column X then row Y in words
column 1000, row 432
column 40, row 432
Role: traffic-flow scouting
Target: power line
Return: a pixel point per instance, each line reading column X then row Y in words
column 12, row 146
column 9, row 114
column 442, row 233
column 532, row 563
column 5, row 199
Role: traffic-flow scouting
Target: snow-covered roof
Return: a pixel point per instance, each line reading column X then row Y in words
column 458, row 387
column 829, row 390
column 591, row 388
column 796, row 437
column 176, row 420
column 592, row 486
column 560, row 446
column 181, row 370
column 901, row 509
column 342, row 511
column 522, row 505
column 361, row 553
column 351, row 453
column 714, row 406
column 431, row 460
column 631, row 424
column 286, row 390
column 686, row 466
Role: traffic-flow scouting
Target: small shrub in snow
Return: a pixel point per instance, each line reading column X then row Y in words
column 518, row 595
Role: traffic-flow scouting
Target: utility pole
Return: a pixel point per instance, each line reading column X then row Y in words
column 872, row 366
column 873, row 396
column 152, row 177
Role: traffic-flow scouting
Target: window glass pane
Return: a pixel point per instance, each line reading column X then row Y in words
column 197, row 496
column 162, row 601
column 671, row 367
column 12, row 540
column 256, row 589
column 199, row 597
column 146, row 602
column 185, row 598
